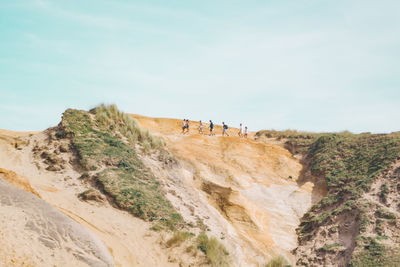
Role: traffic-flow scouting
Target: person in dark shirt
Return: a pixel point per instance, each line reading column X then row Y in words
column 211, row 128
column 224, row 128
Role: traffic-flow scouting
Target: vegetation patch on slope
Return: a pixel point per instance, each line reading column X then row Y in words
column 178, row 238
column 374, row 254
column 350, row 164
column 295, row 141
column 106, row 141
column 215, row 252
column 278, row 261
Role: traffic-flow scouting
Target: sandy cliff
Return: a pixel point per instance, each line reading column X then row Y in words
column 244, row 192
column 252, row 186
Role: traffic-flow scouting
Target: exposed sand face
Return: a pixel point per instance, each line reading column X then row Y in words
column 33, row 233
column 17, row 181
column 251, row 185
column 244, row 191
column 128, row 239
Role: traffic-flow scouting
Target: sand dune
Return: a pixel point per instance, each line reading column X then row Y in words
column 251, row 184
column 244, row 191
column 33, row 233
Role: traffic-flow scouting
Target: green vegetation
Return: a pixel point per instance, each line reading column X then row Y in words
column 349, row 163
column 383, row 217
column 384, row 192
column 191, row 249
column 216, row 253
column 295, row 141
column 59, row 134
column 178, row 238
column 157, row 228
column 382, row 213
column 91, row 194
column 375, row 254
column 105, row 140
column 346, row 160
column 85, row 193
column 278, row 262
column 379, row 228
column 331, row 247
column 110, row 117
column 364, row 222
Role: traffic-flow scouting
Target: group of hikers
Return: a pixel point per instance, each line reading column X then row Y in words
column 241, row 133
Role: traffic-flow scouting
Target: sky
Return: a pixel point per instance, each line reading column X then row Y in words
column 312, row 65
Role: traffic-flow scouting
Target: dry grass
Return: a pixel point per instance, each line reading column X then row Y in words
column 178, row 238
column 123, row 175
column 277, row 262
column 216, row 253
column 109, row 116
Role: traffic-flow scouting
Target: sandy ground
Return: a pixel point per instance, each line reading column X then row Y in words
column 127, row 238
column 18, row 181
column 252, row 186
column 244, row 191
column 33, row 233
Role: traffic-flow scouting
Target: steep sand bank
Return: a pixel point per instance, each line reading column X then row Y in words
column 253, row 186
column 127, row 238
column 33, row 233
column 245, row 192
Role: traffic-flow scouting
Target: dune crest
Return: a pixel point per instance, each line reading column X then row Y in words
column 243, row 192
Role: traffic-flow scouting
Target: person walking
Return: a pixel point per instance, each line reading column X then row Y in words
column 224, row 128
column 201, row 127
column 187, row 126
column 183, row 126
column 240, row 133
column 211, row 128
column 245, row 132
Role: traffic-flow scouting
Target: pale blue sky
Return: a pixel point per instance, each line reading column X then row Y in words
column 313, row 65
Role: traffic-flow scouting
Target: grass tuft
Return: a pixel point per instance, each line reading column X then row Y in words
column 108, row 116
column 216, row 253
column 178, row 238
column 278, row 262
column 384, row 192
column 331, row 247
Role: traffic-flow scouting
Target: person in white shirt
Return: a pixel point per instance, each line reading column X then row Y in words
column 187, row 126
column 183, row 126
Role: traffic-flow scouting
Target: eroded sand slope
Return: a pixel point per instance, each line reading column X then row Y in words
column 127, row 238
column 245, row 192
column 33, row 233
column 251, row 184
